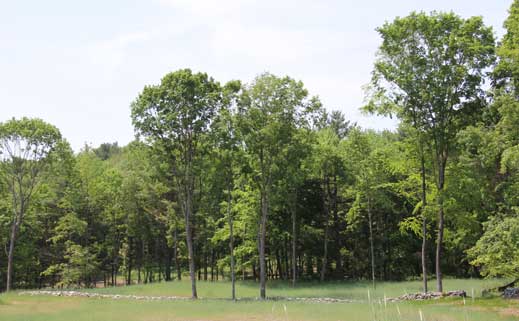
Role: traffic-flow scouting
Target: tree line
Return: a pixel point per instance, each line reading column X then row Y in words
column 259, row 181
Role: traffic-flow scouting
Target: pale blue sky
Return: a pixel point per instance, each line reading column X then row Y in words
column 79, row 64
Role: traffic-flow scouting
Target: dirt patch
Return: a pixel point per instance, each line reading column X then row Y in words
column 47, row 306
column 510, row 312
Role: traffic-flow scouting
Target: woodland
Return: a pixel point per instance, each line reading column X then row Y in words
column 259, row 181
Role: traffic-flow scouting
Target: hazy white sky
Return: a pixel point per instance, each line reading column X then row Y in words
column 79, row 64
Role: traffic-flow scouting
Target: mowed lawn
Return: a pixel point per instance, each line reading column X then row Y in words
column 15, row 307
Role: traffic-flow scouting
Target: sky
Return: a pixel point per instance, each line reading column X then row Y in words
column 79, row 64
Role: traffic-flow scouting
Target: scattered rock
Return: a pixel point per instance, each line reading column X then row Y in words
column 428, row 296
column 459, row 293
column 103, row 296
column 405, row 297
column 511, row 293
column 320, row 300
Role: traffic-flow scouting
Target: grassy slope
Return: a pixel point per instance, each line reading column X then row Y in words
column 41, row 308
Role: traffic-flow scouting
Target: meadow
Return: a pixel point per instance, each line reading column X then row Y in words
column 214, row 304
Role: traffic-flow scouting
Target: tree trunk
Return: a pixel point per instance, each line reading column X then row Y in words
column 279, row 266
column 325, row 252
column 212, row 264
column 205, row 265
column 231, row 244
column 326, row 230
column 129, row 266
column 217, row 269
column 370, row 221
column 263, row 232
column 167, row 268
column 175, row 254
column 424, row 223
column 10, row 256
column 337, row 227
column 294, row 242
column 441, row 183
column 285, row 258
column 189, row 241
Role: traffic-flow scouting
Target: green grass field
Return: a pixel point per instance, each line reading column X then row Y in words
column 15, row 307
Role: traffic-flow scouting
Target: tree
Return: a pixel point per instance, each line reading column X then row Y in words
column 329, row 166
column 367, row 181
column 496, row 252
column 506, row 73
column 226, row 155
column 429, row 72
column 270, row 110
column 176, row 114
column 25, row 146
column 337, row 122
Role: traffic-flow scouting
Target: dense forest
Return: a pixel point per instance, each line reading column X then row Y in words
column 260, row 181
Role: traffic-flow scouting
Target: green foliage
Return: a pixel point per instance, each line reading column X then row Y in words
column 69, row 227
column 496, row 252
column 506, row 73
column 436, row 64
column 79, row 267
column 179, row 109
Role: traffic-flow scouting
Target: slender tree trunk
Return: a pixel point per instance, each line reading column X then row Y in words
column 279, row 267
column 10, row 256
column 189, row 241
column 217, row 273
column 336, row 224
column 294, row 242
column 160, row 269
column 205, row 265
column 286, row 260
column 212, row 264
column 370, row 221
column 231, row 243
column 441, row 183
column 325, row 252
column 129, row 268
column 326, row 230
column 141, row 261
column 424, row 222
column 263, row 232
column 175, row 254
column 129, row 278
column 167, row 268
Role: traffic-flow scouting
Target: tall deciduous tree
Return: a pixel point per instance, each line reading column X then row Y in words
column 226, row 150
column 429, row 71
column 25, row 146
column 270, row 110
column 329, row 167
column 176, row 114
